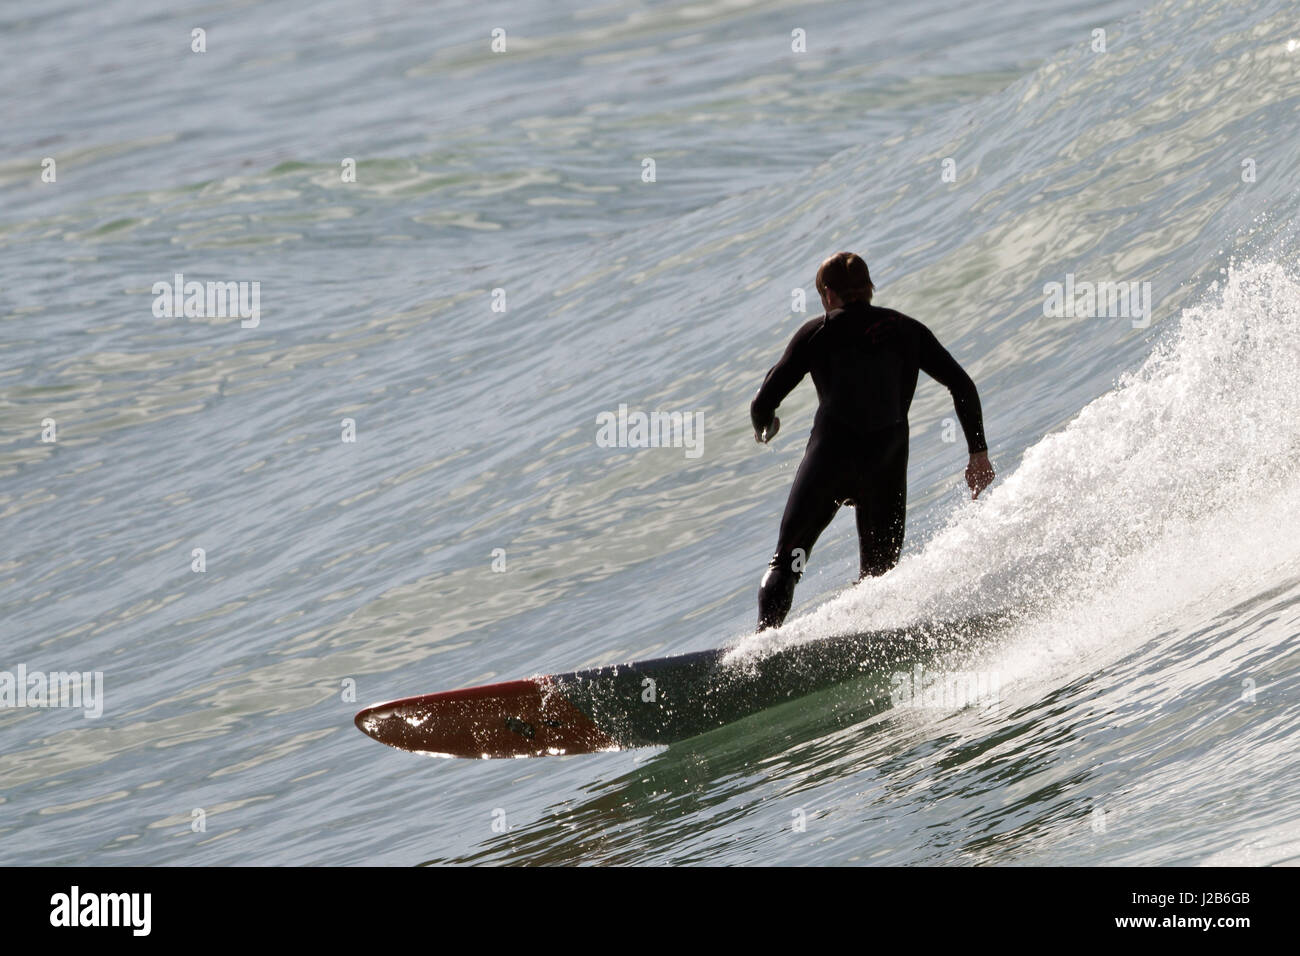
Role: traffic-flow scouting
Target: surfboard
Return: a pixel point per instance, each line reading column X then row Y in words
column 652, row 702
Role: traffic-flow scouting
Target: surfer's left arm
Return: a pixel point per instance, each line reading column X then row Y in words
column 780, row 381
column 936, row 362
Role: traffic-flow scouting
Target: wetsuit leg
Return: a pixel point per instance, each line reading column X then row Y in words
column 882, row 503
column 811, row 506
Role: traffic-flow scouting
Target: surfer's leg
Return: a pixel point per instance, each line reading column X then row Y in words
column 882, row 510
column 811, row 506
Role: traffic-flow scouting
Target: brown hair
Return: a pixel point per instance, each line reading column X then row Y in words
column 846, row 275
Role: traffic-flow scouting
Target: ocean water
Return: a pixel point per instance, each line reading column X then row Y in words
column 1145, row 525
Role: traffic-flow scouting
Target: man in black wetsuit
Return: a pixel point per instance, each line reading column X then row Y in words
column 864, row 362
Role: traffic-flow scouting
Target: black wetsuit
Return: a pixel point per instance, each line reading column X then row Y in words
column 864, row 362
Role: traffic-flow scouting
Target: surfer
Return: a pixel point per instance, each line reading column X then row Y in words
column 864, row 362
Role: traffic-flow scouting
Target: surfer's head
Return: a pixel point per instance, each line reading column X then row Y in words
column 844, row 278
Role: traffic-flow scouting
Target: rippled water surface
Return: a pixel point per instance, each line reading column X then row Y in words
column 1145, row 524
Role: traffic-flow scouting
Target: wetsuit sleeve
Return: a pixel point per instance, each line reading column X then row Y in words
column 936, row 362
column 783, row 377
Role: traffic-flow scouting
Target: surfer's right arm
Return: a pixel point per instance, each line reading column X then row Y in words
column 780, row 381
column 939, row 364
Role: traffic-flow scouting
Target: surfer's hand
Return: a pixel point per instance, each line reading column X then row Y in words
column 767, row 434
column 979, row 473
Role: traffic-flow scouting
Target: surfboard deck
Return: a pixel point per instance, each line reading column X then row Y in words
column 647, row 703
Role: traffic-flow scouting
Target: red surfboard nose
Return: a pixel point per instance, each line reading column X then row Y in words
column 523, row 718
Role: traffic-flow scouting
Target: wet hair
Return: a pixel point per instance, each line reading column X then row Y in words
column 846, row 275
